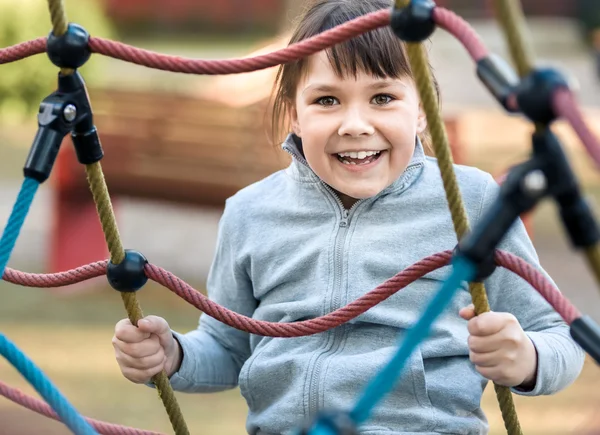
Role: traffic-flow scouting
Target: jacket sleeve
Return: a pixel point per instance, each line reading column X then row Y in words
column 214, row 353
column 560, row 358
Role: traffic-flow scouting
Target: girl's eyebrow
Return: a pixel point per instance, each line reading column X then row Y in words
column 386, row 84
column 318, row 87
column 380, row 84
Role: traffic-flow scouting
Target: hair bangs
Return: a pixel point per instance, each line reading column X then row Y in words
column 379, row 52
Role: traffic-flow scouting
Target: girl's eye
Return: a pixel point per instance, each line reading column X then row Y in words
column 382, row 99
column 327, row 101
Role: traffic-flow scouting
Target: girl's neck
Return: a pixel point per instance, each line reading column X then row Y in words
column 347, row 201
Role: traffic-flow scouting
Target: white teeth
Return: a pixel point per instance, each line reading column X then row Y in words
column 359, row 154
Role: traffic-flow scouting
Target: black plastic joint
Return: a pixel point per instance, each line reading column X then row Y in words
column 586, row 333
column 534, row 94
column 62, row 111
column 332, row 423
column 128, row 276
column 87, row 146
column 485, row 265
column 70, row 50
column 414, row 23
column 580, row 223
column 499, row 78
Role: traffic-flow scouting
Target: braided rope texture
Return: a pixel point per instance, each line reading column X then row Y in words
column 42, row 408
column 16, row 220
column 443, row 153
column 108, row 221
column 68, row 415
column 336, row 318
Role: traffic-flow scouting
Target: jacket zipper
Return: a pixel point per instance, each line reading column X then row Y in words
column 314, row 382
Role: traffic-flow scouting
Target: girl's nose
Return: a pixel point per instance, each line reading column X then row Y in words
column 355, row 124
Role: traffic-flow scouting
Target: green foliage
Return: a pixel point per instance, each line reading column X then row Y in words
column 24, row 83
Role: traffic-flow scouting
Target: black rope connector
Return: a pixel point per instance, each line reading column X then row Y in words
column 534, row 94
column 575, row 212
column 65, row 110
column 129, row 275
column 70, row 50
column 338, row 423
column 499, row 78
column 485, row 264
column 523, row 188
column 414, row 23
column 586, row 333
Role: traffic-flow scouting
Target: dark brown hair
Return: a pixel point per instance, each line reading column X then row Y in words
column 379, row 53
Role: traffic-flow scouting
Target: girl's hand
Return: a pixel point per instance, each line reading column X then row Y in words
column 500, row 349
column 147, row 349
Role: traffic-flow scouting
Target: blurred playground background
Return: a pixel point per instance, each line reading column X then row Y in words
column 176, row 146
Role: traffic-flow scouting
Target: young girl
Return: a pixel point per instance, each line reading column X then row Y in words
column 359, row 202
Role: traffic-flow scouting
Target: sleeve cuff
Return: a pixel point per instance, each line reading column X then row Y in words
column 546, row 365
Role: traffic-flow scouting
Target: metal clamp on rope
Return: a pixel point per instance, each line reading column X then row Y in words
column 414, row 23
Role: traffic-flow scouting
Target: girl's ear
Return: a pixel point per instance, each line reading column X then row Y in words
column 294, row 119
column 421, row 120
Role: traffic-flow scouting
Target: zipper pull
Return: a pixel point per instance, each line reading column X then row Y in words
column 344, row 221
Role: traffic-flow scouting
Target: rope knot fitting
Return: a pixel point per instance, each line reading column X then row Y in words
column 535, row 93
column 129, row 275
column 330, row 423
column 70, row 50
column 414, row 23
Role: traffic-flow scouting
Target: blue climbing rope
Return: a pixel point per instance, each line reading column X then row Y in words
column 383, row 382
column 24, row 365
column 16, row 220
column 68, row 415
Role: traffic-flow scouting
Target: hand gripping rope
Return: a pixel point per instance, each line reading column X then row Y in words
column 541, row 95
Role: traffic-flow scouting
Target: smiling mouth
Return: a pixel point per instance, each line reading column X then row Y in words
column 359, row 158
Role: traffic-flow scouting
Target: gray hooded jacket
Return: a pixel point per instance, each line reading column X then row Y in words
column 287, row 250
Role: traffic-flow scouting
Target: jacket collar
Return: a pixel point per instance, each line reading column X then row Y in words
column 300, row 171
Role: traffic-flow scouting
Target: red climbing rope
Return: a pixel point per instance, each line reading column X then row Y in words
column 462, row 31
column 566, row 107
column 42, row 408
column 563, row 101
column 22, row 50
column 312, row 326
column 179, row 64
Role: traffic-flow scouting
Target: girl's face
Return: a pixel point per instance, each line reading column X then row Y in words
column 358, row 134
